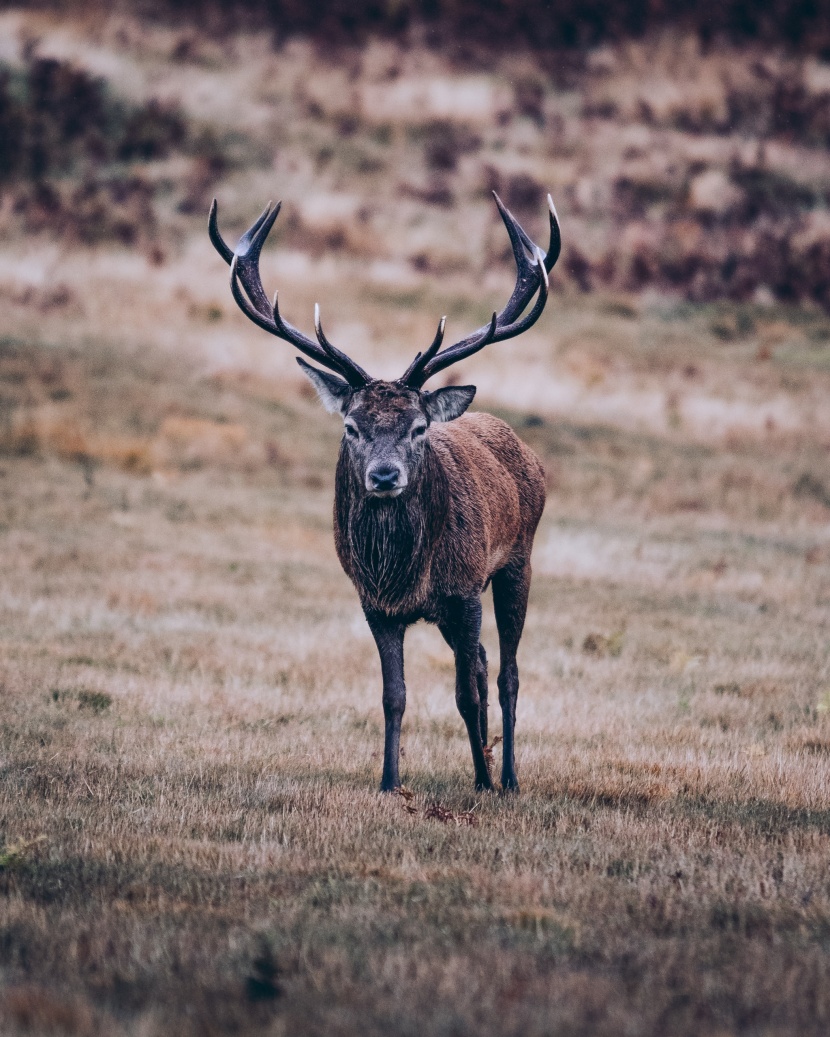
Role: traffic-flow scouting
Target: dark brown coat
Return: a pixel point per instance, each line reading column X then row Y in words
column 473, row 510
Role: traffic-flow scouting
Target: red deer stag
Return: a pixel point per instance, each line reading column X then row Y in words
column 431, row 504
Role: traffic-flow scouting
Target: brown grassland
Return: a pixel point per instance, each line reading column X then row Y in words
column 191, row 840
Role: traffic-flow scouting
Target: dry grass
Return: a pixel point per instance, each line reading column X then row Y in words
column 192, row 738
column 190, row 837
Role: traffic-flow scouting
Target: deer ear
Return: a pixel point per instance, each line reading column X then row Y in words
column 335, row 393
column 448, row 403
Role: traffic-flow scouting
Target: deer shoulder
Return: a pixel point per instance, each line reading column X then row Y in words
column 498, row 490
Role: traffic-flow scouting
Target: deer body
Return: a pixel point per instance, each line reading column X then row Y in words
column 431, row 504
column 467, row 518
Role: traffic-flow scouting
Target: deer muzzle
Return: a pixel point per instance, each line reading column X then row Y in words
column 385, row 480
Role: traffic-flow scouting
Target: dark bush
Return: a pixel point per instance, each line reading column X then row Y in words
column 66, row 99
column 62, row 137
column 95, row 210
column 538, row 24
column 151, row 132
column 55, row 117
column 780, row 105
column 723, row 262
column 771, row 192
column 12, row 129
column 445, row 142
column 51, row 115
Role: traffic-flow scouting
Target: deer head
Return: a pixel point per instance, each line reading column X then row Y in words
column 385, row 423
column 385, row 426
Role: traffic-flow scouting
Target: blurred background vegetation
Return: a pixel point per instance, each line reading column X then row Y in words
column 686, row 147
column 686, row 143
column 539, row 24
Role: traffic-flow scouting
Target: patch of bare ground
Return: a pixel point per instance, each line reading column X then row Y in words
column 191, row 841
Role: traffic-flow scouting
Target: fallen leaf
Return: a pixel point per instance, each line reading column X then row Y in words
column 488, row 749
column 438, row 813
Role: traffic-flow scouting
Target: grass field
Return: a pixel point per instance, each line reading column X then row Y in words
column 192, row 737
column 191, row 840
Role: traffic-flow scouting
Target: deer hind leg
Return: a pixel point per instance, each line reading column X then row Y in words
column 461, row 627
column 511, row 586
column 481, row 681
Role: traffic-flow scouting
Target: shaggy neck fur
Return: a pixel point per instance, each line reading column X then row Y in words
column 389, row 542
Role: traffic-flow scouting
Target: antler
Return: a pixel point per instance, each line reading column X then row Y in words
column 246, row 286
column 532, row 268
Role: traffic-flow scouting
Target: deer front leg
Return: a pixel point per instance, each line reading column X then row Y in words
column 388, row 636
column 511, row 587
column 461, row 627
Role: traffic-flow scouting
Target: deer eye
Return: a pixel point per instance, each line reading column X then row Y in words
column 351, row 432
column 418, row 431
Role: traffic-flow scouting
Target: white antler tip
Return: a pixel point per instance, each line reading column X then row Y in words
column 540, row 259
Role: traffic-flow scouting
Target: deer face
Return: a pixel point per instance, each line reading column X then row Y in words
column 385, row 426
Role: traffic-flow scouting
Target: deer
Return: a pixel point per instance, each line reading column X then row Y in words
column 431, row 504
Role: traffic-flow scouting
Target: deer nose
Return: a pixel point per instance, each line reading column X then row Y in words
column 384, row 478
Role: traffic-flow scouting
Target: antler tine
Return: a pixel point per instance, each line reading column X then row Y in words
column 411, row 373
column 516, row 231
column 524, row 254
column 250, row 311
column 472, row 344
column 247, row 290
column 248, row 250
column 555, row 241
column 541, row 301
column 354, row 374
column 532, row 266
column 244, row 246
column 498, row 332
column 218, row 241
